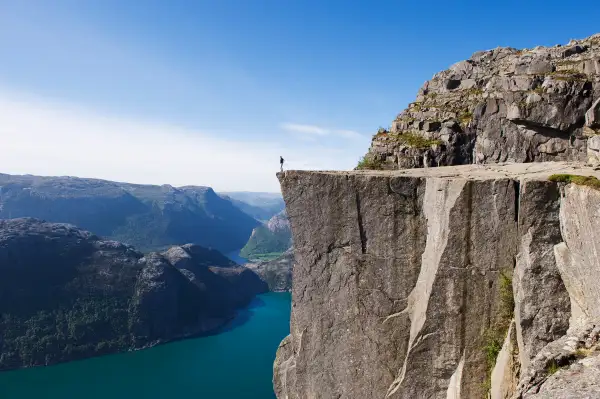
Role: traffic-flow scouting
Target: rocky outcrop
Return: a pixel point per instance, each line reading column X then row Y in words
column 149, row 217
column 500, row 105
column 277, row 273
column 66, row 294
column 404, row 282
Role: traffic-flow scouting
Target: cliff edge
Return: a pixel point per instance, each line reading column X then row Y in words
column 450, row 282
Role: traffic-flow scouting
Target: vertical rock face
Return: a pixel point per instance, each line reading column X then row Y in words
column 504, row 378
column 536, row 274
column 398, row 281
column 578, row 258
column 395, row 282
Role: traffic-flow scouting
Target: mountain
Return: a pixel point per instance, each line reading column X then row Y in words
column 464, row 281
column 500, row 105
column 146, row 216
column 277, row 273
column 261, row 206
column 66, row 294
column 270, row 239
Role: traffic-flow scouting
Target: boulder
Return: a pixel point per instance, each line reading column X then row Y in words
column 592, row 116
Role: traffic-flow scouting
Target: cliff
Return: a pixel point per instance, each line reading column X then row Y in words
column 500, row 105
column 146, row 216
column 450, row 282
column 66, row 294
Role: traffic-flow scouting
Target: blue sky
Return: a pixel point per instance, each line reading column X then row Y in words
column 212, row 92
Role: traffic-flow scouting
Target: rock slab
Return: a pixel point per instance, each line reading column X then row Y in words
column 398, row 279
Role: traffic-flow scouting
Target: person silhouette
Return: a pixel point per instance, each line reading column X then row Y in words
column 281, row 160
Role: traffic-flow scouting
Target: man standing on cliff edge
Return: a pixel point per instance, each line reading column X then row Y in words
column 281, row 162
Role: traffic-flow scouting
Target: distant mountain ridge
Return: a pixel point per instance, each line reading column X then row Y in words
column 261, row 206
column 150, row 217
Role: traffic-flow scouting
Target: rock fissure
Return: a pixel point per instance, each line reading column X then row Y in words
column 361, row 230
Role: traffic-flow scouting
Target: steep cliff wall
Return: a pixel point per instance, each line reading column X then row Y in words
column 402, row 281
column 501, row 105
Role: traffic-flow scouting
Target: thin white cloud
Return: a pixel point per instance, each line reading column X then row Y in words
column 44, row 137
column 309, row 131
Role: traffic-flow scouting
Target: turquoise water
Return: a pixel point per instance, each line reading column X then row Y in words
column 236, row 363
column 235, row 256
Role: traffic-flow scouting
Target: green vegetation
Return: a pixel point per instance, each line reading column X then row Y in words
column 94, row 325
column 580, row 353
column 368, row 163
column 556, row 364
column 267, row 257
column 475, row 91
column 589, row 181
column 495, row 335
column 538, row 90
column 568, row 63
column 416, row 107
column 492, row 348
column 507, row 300
column 569, row 75
column 552, row 367
column 465, row 117
column 265, row 244
column 415, row 140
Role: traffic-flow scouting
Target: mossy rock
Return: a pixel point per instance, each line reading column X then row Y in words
column 589, row 181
